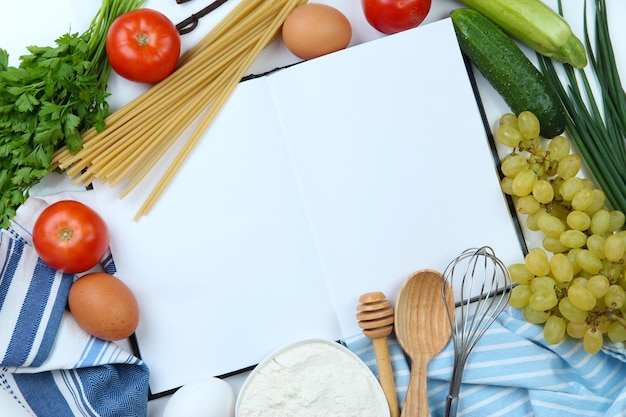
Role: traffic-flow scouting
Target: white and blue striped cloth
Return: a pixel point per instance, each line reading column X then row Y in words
column 48, row 364
column 513, row 372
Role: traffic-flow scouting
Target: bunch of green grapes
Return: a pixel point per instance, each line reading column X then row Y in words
column 574, row 284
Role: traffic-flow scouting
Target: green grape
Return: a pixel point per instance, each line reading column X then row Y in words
column 589, row 262
column 581, row 297
column 559, row 211
column 543, row 191
column 531, row 143
column 542, row 283
column 570, row 187
column 571, row 312
column 616, row 221
column 614, row 272
column 508, row 135
column 622, row 234
column 595, row 244
column 543, row 300
column 520, row 274
column 616, row 332
column 559, row 147
column 561, row 268
column 524, row 182
column 513, row 164
column 531, row 220
column 579, row 281
column 587, row 183
column 585, row 274
column 537, row 262
column 614, row 248
column 599, row 198
column 600, row 222
column 520, row 295
column 506, row 185
column 551, row 225
column 592, row 340
column 600, row 303
column 528, row 124
column 569, row 166
column 578, row 220
column 556, row 185
column 583, row 199
column 527, row 204
column 573, row 238
column 576, row 330
column 615, row 296
column 539, row 251
column 598, row 285
column 554, row 245
column 534, row 316
column 508, row 119
column 572, row 255
column 554, row 329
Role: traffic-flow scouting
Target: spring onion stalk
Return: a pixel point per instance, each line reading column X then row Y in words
column 596, row 126
column 97, row 31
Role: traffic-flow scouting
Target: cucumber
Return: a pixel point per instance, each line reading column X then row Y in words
column 505, row 66
column 535, row 24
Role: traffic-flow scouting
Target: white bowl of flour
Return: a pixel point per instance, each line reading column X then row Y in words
column 312, row 378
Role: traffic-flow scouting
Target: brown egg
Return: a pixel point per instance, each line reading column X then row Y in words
column 104, row 306
column 313, row 30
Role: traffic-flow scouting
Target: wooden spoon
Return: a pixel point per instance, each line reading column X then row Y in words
column 423, row 330
column 375, row 317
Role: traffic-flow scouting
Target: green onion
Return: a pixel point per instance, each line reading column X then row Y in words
column 597, row 127
column 97, row 32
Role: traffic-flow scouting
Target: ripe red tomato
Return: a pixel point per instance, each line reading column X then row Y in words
column 392, row 16
column 143, row 45
column 70, row 236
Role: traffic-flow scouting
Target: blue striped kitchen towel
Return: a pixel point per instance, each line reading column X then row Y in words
column 48, row 364
column 513, row 372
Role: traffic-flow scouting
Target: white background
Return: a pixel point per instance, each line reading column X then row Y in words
column 18, row 19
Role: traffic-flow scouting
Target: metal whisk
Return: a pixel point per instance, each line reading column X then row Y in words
column 485, row 288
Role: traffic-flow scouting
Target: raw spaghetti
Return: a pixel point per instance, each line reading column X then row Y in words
column 141, row 132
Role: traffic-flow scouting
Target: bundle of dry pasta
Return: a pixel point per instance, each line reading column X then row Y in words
column 141, row 132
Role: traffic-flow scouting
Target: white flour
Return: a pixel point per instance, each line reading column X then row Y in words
column 312, row 380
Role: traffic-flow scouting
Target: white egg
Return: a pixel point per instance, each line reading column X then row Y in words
column 207, row 397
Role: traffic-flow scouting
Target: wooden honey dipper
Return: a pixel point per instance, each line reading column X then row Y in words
column 375, row 317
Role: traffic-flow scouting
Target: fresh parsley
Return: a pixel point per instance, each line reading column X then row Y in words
column 47, row 101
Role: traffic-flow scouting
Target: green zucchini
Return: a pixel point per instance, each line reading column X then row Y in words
column 505, row 66
column 535, row 24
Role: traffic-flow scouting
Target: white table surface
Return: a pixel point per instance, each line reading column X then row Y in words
column 277, row 55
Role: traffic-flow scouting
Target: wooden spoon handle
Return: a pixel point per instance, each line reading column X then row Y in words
column 416, row 401
column 385, row 374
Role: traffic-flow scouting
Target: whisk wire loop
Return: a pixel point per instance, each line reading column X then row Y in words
column 485, row 287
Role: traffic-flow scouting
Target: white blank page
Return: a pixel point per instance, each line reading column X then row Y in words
column 335, row 177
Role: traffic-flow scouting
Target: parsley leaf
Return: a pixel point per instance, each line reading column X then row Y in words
column 54, row 95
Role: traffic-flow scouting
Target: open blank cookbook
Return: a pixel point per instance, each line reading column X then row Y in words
column 332, row 178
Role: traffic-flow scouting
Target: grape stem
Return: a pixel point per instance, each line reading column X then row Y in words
column 617, row 318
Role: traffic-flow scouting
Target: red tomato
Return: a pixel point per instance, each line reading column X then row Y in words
column 70, row 237
column 143, row 45
column 392, row 16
